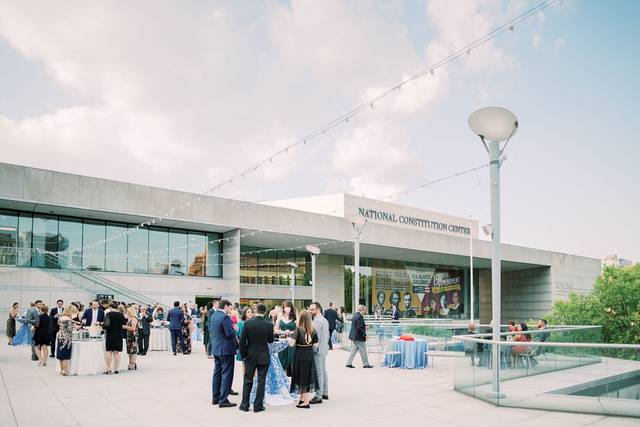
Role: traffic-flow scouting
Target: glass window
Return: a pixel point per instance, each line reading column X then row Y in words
column 8, row 238
column 25, row 231
column 197, row 252
column 116, row 248
column 158, row 251
column 70, row 243
column 214, row 255
column 138, row 257
column 45, row 238
column 178, row 242
column 94, row 233
column 268, row 268
column 284, row 269
column 248, row 265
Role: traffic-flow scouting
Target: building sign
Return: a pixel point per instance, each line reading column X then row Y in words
column 427, row 224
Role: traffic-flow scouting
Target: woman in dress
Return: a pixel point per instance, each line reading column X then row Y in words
column 286, row 322
column 246, row 315
column 158, row 314
column 132, row 337
column 186, row 332
column 205, row 332
column 304, row 380
column 340, row 321
column 42, row 335
column 277, row 385
column 114, row 324
column 11, row 322
column 66, row 326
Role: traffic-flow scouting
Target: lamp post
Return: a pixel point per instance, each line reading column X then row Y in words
column 358, row 227
column 494, row 125
column 314, row 251
column 293, row 266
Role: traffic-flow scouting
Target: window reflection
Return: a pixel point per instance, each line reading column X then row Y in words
column 93, row 237
column 214, row 255
column 8, row 238
column 270, row 267
column 197, row 253
column 45, row 238
column 116, row 248
column 138, row 260
column 25, row 232
column 158, row 251
column 178, row 242
column 70, row 243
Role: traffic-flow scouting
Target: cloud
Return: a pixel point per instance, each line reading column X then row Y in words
column 558, row 44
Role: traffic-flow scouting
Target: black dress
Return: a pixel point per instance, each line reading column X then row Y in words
column 113, row 322
column 304, row 379
column 42, row 334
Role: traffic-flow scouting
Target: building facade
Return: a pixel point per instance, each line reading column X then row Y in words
column 71, row 237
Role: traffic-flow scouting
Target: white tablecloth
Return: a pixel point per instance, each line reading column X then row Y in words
column 160, row 339
column 87, row 357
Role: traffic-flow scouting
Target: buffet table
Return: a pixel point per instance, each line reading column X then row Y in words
column 160, row 339
column 87, row 357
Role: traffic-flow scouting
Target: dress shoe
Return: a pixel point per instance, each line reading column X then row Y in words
column 368, row 366
column 227, row 405
column 350, row 366
column 303, row 406
column 233, row 393
column 214, row 402
column 315, row 400
column 325, row 397
column 174, row 353
column 258, row 409
column 242, row 408
column 52, row 356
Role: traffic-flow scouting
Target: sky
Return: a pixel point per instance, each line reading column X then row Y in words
column 183, row 95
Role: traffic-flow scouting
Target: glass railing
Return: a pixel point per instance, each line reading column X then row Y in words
column 583, row 377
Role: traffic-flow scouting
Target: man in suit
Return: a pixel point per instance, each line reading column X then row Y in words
column 93, row 315
column 321, row 326
column 224, row 349
column 175, row 317
column 254, row 350
column 32, row 319
column 55, row 314
column 331, row 315
column 144, row 330
column 358, row 337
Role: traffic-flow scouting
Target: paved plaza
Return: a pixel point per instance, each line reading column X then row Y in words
column 172, row 390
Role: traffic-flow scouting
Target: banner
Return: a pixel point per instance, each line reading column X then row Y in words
column 413, row 289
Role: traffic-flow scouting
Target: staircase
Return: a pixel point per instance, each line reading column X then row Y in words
column 94, row 284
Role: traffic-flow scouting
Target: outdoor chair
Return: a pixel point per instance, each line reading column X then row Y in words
column 384, row 352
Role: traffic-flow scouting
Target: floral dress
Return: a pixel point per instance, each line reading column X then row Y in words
column 132, row 338
column 186, row 335
column 277, row 384
column 63, row 349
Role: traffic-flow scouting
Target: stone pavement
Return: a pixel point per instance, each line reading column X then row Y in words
column 170, row 391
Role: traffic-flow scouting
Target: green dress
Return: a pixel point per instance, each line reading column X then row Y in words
column 287, row 355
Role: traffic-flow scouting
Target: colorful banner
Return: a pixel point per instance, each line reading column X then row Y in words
column 418, row 291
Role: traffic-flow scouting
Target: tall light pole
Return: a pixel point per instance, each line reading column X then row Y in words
column 471, row 268
column 494, row 125
column 293, row 266
column 358, row 227
column 314, row 251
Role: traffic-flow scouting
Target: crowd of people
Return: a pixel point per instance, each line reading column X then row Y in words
column 283, row 352
column 125, row 327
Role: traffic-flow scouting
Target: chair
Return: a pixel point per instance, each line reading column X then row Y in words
column 438, row 345
column 383, row 352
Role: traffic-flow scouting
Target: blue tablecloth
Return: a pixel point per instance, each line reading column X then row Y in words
column 412, row 354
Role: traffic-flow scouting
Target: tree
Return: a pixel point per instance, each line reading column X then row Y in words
column 614, row 304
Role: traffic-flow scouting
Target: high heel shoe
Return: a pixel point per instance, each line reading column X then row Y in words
column 135, row 366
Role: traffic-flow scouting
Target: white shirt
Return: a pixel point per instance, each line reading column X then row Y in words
column 94, row 316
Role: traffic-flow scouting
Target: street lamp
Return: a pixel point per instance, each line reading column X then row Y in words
column 314, row 251
column 293, row 266
column 358, row 227
column 494, row 125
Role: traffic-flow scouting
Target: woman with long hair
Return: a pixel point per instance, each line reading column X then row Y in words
column 11, row 322
column 132, row 337
column 304, row 380
column 247, row 314
column 285, row 325
column 342, row 319
column 522, row 327
column 63, row 347
column 186, row 330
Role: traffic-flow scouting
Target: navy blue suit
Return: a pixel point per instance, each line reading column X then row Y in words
column 88, row 315
column 224, row 349
column 175, row 317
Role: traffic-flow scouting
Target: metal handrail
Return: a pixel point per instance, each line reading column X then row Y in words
column 546, row 343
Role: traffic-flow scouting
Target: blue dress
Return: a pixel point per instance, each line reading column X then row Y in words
column 277, row 383
column 23, row 337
